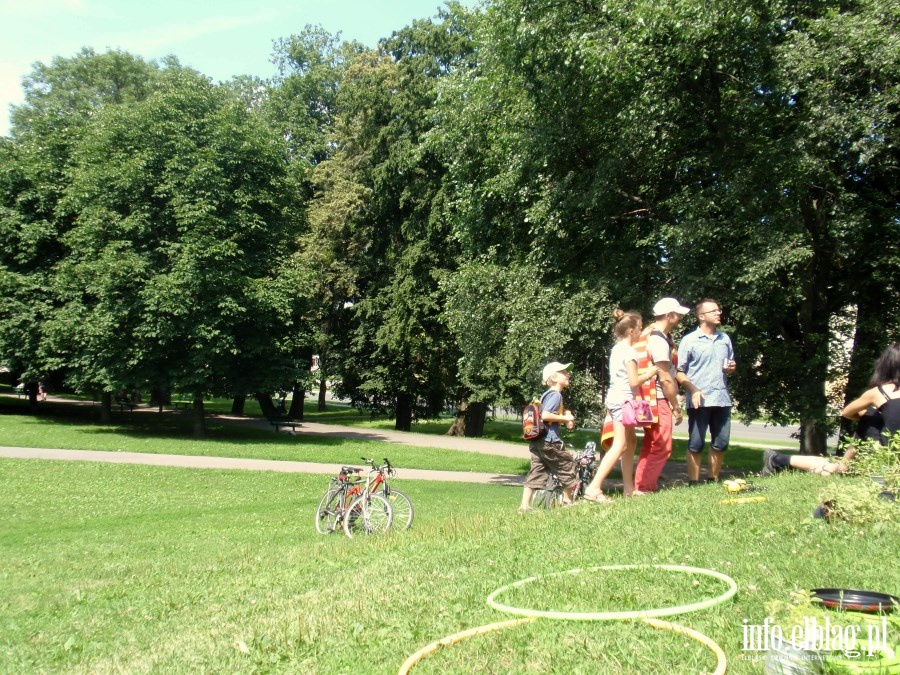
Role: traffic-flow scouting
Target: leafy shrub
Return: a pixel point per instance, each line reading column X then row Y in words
column 868, row 502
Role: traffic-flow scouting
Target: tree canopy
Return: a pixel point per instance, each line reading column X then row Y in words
column 440, row 214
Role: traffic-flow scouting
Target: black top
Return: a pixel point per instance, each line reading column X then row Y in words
column 876, row 422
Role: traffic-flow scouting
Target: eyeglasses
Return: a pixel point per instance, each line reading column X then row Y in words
column 712, row 311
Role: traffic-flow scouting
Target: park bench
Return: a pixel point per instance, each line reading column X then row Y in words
column 286, row 422
column 182, row 405
column 125, row 403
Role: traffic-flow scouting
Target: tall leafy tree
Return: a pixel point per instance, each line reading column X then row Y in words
column 396, row 354
column 61, row 100
column 303, row 105
column 698, row 148
column 183, row 213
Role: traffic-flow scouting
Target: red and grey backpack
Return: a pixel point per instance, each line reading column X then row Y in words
column 532, row 423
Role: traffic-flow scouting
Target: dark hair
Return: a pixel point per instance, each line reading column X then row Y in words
column 887, row 367
column 625, row 321
column 703, row 302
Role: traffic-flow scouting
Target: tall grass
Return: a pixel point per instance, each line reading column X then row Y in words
column 121, row 568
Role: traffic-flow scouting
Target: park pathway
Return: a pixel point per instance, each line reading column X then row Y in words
column 673, row 474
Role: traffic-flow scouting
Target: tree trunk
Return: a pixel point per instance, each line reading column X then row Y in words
column 160, row 397
column 32, row 389
column 814, row 316
column 106, row 407
column 323, row 390
column 265, row 404
column 298, row 396
column 868, row 341
column 813, row 437
column 458, row 428
column 404, row 413
column 199, row 419
column 475, row 419
column 237, row 404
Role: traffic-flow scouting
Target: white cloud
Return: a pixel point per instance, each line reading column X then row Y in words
column 163, row 37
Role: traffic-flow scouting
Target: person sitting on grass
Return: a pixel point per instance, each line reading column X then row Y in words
column 548, row 453
column 877, row 411
column 624, row 381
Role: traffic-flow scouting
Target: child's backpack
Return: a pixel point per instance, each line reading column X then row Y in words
column 532, row 423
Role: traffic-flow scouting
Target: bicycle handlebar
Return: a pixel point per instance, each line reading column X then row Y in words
column 386, row 467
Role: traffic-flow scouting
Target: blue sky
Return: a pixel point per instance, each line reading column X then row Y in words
column 219, row 38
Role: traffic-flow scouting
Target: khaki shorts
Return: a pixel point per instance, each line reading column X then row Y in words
column 547, row 457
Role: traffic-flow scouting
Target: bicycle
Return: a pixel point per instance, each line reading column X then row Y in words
column 344, row 488
column 370, row 512
column 344, row 497
column 552, row 494
column 400, row 503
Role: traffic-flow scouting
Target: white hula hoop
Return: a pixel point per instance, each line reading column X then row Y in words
column 613, row 616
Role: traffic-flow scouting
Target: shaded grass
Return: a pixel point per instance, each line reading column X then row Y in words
column 142, row 430
column 171, row 434
column 111, row 568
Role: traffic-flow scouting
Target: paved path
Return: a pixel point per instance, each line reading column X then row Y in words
column 198, row 462
column 673, row 474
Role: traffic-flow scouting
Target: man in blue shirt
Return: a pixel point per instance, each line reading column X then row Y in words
column 706, row 359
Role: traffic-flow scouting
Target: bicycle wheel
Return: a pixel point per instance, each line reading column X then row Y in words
column 585, row 476
column 402, row 507
column 550, row 496
column 328, row 515
column 368, row 514
column 553, row 498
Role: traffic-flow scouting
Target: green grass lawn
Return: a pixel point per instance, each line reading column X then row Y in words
column 171, row 434
column 123, row 568
column 62, row 425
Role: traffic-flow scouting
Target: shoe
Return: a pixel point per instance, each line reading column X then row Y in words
column 711, row 480
column 522, row 512
column 693, row 483
column 769, row 467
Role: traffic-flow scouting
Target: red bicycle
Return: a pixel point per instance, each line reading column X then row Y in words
column 401, row 505
column 348, row 503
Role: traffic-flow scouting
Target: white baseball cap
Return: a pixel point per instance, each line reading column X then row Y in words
column 667, row 305
column 554, row 367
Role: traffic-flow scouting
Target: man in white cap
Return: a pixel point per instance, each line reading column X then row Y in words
column 548, row 453
column 656, row 347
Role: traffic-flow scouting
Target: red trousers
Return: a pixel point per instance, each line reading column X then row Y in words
column 655, row 450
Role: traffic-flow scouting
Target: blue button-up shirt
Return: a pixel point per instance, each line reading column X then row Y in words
column 700, row 357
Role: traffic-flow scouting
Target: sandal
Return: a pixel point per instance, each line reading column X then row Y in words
column 598, row 498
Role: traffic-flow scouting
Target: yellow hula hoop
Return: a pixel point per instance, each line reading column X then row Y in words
column 612, row 616
column 721, row 661
column 456, row 637
column 742, row 500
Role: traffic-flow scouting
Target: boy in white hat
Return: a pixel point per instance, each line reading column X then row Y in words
column 548, row 453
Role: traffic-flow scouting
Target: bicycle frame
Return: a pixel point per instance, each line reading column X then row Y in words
column 552, row 493
column 378, row 485
column 344, row 488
